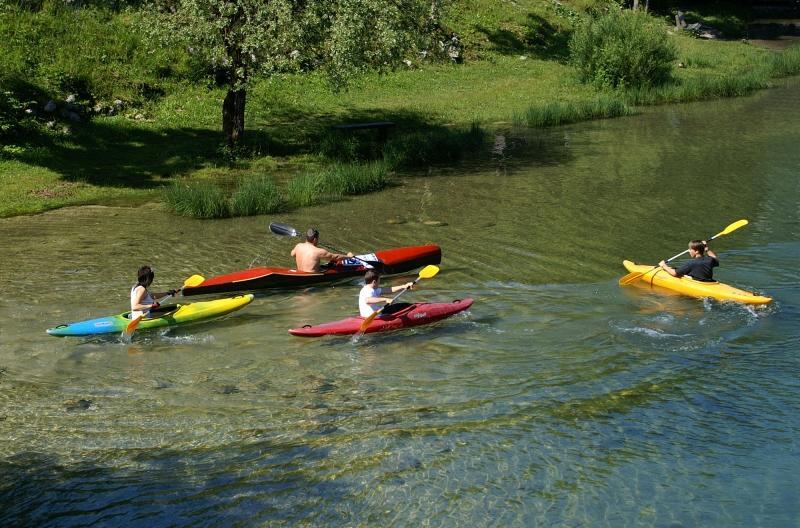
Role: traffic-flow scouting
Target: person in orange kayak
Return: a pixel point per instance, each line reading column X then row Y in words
column 700, row 267
column 309, row 256
column 142, row 300
column 369, row 298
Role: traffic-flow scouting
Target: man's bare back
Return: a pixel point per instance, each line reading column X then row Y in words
column 309, row 257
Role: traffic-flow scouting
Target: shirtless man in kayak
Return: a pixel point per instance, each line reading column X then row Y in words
column 309, row 257
column 700, row 268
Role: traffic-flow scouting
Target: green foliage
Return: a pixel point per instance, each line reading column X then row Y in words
column 622, row 48
column 557, row 113
column 51, row 53
column 10, row 113
column 254, row 196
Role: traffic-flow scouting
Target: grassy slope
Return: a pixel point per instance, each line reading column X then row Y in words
column 119, row 160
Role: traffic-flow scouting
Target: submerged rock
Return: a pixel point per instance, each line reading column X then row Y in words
column 77, row 405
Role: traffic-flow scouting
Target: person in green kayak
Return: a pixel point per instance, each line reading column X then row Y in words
column 308, row 256
column 700, row 267
column 142, row 300
column 369, row 298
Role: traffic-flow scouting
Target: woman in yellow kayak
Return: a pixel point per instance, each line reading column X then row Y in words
column 700, row 268
column 142, row 300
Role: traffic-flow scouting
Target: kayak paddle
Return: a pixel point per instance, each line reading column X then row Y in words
column 427, row 272
column 194, row 280
column 630, row 277
column 286, row 230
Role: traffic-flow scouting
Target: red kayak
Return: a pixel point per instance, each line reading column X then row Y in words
column 406, row 316
column 387, row 262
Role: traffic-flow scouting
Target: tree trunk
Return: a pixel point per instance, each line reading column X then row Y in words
column 635, row 5
column 233, row 115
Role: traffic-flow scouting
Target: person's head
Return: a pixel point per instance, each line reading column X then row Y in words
column 312, row 235
column 696, row 247
column 144, row 277
column 371, row 276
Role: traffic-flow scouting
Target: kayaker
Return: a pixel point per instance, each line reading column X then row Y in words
column 142, row 300
column 369, row 298
column 700, row 267
column 309, row 257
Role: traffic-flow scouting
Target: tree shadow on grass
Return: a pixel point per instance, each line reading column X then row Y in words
column 539, row 38
column 114, row 153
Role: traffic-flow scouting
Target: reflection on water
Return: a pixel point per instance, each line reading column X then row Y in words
column 558, row 399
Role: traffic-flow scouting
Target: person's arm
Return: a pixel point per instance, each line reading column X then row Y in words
column 406, row 286
column 709, row 252
column 334, row 256
column 669, row 269
column 137, row 298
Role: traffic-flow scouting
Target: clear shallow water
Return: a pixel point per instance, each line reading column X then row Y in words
column 558, row 399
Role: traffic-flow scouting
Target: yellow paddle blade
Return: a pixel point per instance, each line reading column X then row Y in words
column 132, row 326
column 733, row 227
column 194, row 280
column 428, row 272
column 367, row 321
column 630, row 277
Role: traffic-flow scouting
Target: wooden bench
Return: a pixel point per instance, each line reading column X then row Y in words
column 382, row 127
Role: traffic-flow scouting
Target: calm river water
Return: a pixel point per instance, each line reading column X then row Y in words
column 559, row 399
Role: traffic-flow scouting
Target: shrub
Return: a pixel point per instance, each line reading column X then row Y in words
column 622, row 48
column 255, row 196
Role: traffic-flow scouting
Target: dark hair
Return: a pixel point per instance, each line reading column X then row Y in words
column 144, row 275
column 311, row 234
column 370, row 276
column 698, row 246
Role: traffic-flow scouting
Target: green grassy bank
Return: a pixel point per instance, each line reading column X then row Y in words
column 161, row 140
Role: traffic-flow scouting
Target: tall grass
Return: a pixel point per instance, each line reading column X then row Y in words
column 557, row 113
column 785, row 63
column 200, row 199
column 254, row 196
column 336, row 181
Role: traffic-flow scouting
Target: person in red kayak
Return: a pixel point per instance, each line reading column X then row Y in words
column 142, row 300
column 309, row 257
column 700, row 268
column 369, row 298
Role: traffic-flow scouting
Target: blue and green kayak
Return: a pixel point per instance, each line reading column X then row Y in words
column 178, row 314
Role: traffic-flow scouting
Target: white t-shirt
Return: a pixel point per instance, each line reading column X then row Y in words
column 366, row 292
column 147, row 299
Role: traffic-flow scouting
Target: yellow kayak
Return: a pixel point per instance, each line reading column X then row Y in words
column 691, row 287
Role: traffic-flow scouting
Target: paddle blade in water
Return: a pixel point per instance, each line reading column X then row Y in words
column 629, row 278
column 128, row 332
column 367, row 321
column 283, row 229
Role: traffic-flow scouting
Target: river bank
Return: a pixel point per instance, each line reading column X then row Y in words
column 130, row 158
